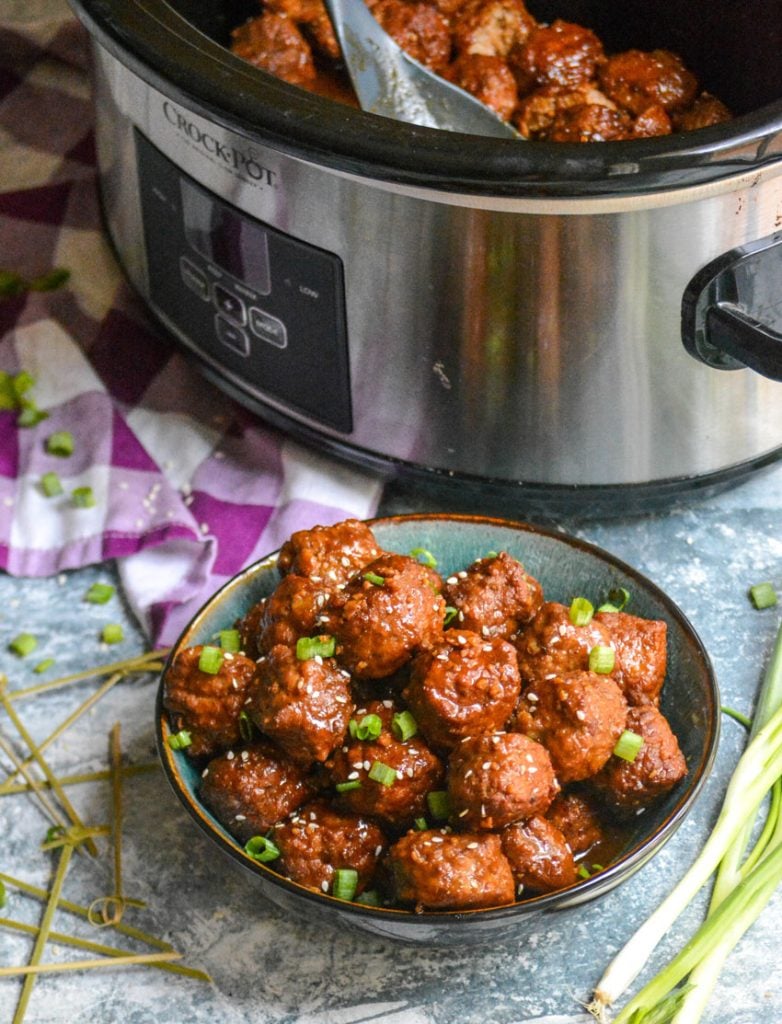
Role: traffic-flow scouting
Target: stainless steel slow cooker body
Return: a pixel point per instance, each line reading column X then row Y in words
column 470, row 308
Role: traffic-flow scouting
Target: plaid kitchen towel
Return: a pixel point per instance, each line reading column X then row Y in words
column 188, row 488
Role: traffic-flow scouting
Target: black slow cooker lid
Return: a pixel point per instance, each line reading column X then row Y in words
column 180, row 49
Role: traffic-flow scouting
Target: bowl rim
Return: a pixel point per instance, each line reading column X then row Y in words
column 583, row 889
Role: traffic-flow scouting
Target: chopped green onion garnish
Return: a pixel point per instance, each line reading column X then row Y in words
column 352, row 728
column 450, row 615
column 60, row 443
column 598, row 867
column 43, row 666
column 51, row 485
column 99, row 593
column 23, row 644
column 112, row 633
column 438, row 804
column 50, row 281
column 491, row 554
column 210, row 660
column 763, row 595
column 421, row 824
column 246, row 727
column 403, row 725
column 370, row 727
column 315, row 646
column 180, row 740
column 30, row 415
column 617, row 600
column 382, row 773
column 628, row 745
column 581, row 611
column 83, row 497
column 230, row 640
column 345, row 883
column 602, row 659
column 261, row 849
column 368, row 898
column 583, row 871
column 347, row 787
column 372, row 577
column 424, row 557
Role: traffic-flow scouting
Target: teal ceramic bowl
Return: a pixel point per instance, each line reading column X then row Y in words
column 566, row 567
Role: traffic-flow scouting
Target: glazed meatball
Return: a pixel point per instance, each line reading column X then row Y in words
column 591, row 122
column 561, row 54
column 577, row 819
column 463, row 685
column 250, row 790
column 489, row 79
column 628, row 786
column 417, row 770
column 444, row 871
column 329, row 554
column 635, row 79
column 275, row 43
column 551, row 645
column 492, row 27
column 494, row 596
column 249, row 627
column 578, row 717
column 538, row 112
column 653, row 121
column 419, row 28
column 291, row 612
column 641, row 654
column 497, row 779
column 303, row 705
column 705, row 111
column 539, row 856
column 319, row 840
column 207, row 705
column 385, row 615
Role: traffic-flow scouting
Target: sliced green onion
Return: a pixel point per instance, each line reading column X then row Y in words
column 60, row 443
column 315, row 647
column 210, row 660
column 345, row 883
column 491, row 554
column 424, row 557
column 30, row 415
column 82, row 497
column 112, row 633
column 581, row 611
column 51, row 485
column 372, row 577
column 602, row 659
column 438, row 803
column 628, row 745
column 23, row 644
column 230, row 640
column 99, row 593
column 43, row 666
column 352, row 728
column 583, row 871
column 246, row 727
column 763, row 595
column 617, row 600
column 261, row 849
column 450, row 615
column 403, row 725
column 349, row 786
column 421, row 824
column 368, row 898
column 369, row 728
column 180, row 740
column 50, row 281
column 598, row 867
column 382, row 773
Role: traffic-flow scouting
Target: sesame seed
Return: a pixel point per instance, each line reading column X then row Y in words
column 324, row 886
column 204, row 773
column 468, row 773
column 581, row 716
column 230, row 755
column 352, row 776
column 451, row 580
column 460, row 616
column 533, row 697
column 240, row 817
column 485, row 630
column 367, row 766
column 436, row 839
column 486, row 765
column 465, row 812
column 378, row 850
column 472, row 846
column 462, row 575
column 245, row 755
column 388, row 704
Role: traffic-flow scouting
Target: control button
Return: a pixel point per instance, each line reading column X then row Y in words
column 230, row 305
column 232, row 336
column 194, row 279
column 268, row 328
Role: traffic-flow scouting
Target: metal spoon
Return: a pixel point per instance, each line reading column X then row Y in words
column 389, row 82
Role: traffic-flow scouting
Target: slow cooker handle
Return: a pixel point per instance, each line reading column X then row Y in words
column 733, row 331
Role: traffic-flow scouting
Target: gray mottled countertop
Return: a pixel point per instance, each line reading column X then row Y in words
column 272, row 969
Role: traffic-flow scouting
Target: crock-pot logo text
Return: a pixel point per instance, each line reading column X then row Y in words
column 233, row 158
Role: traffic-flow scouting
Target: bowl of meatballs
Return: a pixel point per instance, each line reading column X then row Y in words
column 434, row 727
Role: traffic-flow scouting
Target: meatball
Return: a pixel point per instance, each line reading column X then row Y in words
column 653, row 121
column 249, row 627
column 417, row 771
column 275, row 43
column 419, row 28
column 538, row 112
column 577, row 819
column 207, row 705
column 539, row 856
column 319, row 840
column 385, row 615
column 250, row 790
column 578, row 717
column 303, row 705
column 628, row 786
column 561, row 54
column 463, row 685
column 291, row 612
column 329, row 554
column 492, row 27
column 497, row 779
column 551, row 645
column 641, row 654
column 489, row 79
column 590, row 122
column 444, row 871
column 635, row 79
column 705, row 111
column 494, row 596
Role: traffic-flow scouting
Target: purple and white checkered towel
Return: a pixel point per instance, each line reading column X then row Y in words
column 188, row 487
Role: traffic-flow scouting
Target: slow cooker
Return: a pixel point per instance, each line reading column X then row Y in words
column 568, row 319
